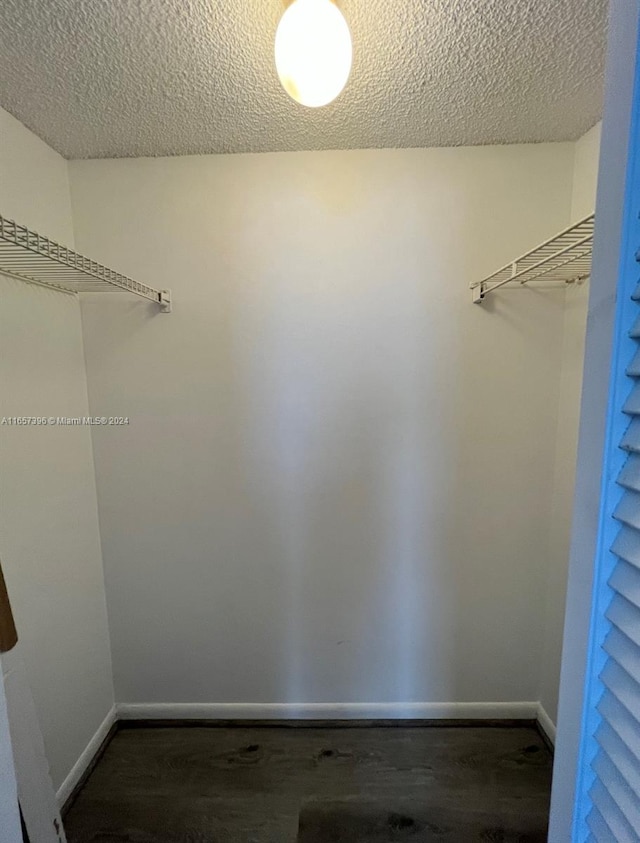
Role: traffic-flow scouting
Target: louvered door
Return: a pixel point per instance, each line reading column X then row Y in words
column 615, row 792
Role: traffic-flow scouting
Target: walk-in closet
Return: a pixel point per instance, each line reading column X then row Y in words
column 290, row 398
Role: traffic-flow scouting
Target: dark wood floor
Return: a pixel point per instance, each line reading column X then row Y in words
column 316, row 785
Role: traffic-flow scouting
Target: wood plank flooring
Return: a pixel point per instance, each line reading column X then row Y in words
column 317, row 785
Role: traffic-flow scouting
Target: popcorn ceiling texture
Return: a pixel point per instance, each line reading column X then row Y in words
column 120, row 78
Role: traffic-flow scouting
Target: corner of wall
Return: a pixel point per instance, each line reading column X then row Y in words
column 36, row 191
column 585, row 173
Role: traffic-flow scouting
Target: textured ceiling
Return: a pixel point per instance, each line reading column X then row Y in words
column 98, row 78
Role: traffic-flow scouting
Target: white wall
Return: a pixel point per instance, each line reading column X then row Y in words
column 336, row 480
column 50, row 546
column 585, row 175
column 319, row 485
column 587, row 152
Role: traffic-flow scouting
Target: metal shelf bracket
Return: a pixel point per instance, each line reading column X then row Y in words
column 478, row 293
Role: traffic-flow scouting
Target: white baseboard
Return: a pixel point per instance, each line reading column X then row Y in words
column 546, row 724
column 304, row 711
column 85, row 759
column 329, row 711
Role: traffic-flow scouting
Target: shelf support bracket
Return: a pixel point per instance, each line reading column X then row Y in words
column 478, row 293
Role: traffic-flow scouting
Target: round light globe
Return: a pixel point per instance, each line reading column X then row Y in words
column 313, row 52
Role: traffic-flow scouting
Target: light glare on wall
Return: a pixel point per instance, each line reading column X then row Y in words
column 313, row 52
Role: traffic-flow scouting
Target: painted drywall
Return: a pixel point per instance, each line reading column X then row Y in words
column 569, row 766
column 334, row 483
column 50, row 546
column 566, row 441
column 585, row 178
column 34, row 181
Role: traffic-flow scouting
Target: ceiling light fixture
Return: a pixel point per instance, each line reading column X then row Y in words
column 313, row 51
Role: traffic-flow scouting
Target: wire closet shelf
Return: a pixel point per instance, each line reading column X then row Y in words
column 565, row 259
column 29, row 256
